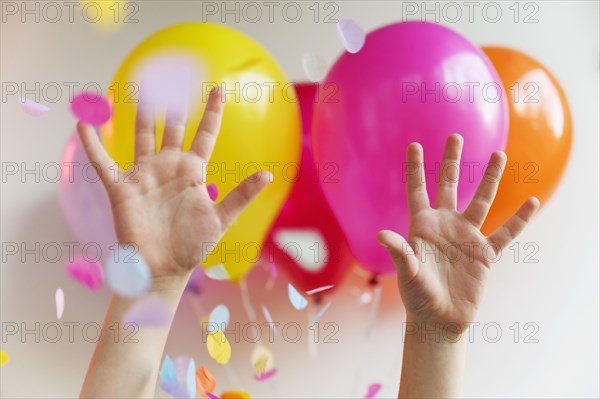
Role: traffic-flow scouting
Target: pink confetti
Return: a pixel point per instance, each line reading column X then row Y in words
column 60, row 302
column 351, row 34
column 266, row 375
column 372, row 391
column 91, row 108
column 151, row 311
column 213, row 191
column 88, row 273
column 320, row 289
column 211, row 396
column 33, row 108
column 269, row 319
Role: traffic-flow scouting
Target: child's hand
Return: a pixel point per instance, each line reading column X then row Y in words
column 443, row 271
column 162, row 205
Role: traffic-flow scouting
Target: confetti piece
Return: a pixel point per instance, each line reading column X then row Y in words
column 235, row 395
column 218, row 347
column 4, row 358
column 299, row 244
column 167, row 370
column 91, row 108
column 272, row 267
column 219, row 317
column 351, row 34
column 314, row 67
column 217, row 272
column 211, row 396
column 320, row 314
column 366, row 298
column 320, row 289
column 297, row 300
column 372, row 391
column 262, row 359
column 33, row 108
column 205, row 382
column 213, row 191
column 266, row 375
column 179, row 377
column 88, row 273
column 269, row 319
column 151, row 311
column 59, row 298
column 127, row 273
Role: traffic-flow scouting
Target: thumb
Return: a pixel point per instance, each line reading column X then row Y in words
column 241, row 196
column 402, row 254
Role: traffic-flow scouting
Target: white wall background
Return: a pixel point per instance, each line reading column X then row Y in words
column 559, row 294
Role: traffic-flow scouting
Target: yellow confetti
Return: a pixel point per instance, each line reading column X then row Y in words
column 235, row 395
column 262, row 359
column 4, row 358
column 218, row 347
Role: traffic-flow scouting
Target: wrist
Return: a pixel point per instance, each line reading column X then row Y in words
column 432, row 331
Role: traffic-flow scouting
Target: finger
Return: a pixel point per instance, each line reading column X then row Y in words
column 402, row 254
column 449, row 173
column 512, row 228
column 416, row 189
column 175, row 122
column 97, row 154
column 207, row 133
column 145, row 143
column 241, row 196
column 480, row 205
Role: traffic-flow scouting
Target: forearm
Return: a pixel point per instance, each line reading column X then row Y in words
column 433, row 362
column 129, row 367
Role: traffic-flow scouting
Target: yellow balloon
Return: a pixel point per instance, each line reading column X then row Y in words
column 260, row 128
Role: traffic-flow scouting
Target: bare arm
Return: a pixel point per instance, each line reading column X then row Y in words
column 168, row 215
column 443, row 269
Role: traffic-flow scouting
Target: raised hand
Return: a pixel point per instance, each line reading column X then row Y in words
column 161, row 205
column 443, row 268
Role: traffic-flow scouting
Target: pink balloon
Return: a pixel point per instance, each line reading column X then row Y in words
column 411, row 81
column 91, row 108
column 84, row 201
column 306, row 240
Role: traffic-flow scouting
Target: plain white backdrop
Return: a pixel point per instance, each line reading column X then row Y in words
column 559, row 294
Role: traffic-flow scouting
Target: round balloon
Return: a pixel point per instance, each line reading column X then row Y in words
column 306, row 240
column 84, row 201
column 260, row 128
column 539, row 135
column 411, row 81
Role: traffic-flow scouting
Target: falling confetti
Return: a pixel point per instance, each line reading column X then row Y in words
column 88, row 273
column 211, row 396
column 151, row 311
column 266, row 375
column 33, row 108
column 235, row 395
column 218, row 347
column 219, row 317
column 4, row 358
column 205, row 382
column 297, row 300
column 320, row 289
column 314, row 67
column 320, row 314
column 351, row 34
column 217, row 272
column 59, row 298
column 269, row 319
column 128, row 275
column 178, row 378
column 262, row 359
column 213, row 191
column 91, row 108
column 372, row 391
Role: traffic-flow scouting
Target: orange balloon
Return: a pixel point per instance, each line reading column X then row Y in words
column 539, row 134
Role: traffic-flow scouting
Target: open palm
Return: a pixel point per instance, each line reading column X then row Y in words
column 161, row 205
column 443, row 268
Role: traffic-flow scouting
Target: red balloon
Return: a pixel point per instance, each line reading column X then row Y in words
column 306, row 240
